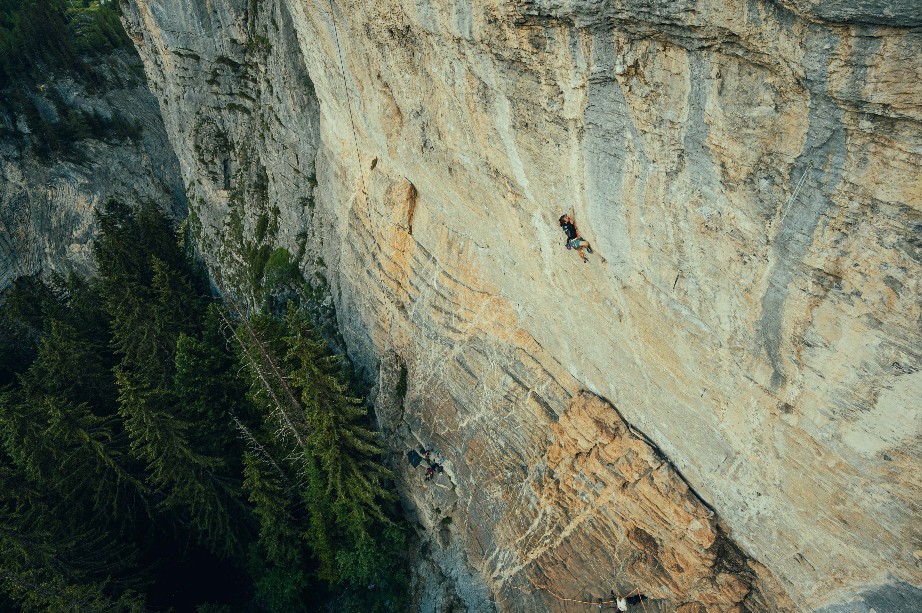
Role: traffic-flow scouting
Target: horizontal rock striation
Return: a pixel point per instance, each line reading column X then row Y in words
column 748, row 174
column 606, row 495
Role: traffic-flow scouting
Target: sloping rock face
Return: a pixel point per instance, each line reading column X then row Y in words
column 749, row 176
column 606, row 515
column 47, row 219
column 240, row 109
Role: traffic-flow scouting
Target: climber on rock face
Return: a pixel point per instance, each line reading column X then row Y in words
column 574, row 240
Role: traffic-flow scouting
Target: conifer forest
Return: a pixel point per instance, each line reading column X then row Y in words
column 163, row 451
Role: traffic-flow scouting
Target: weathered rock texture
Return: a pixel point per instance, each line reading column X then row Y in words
column 610, row 515
column 47, row 219
column 240, row 108
column 768, row 345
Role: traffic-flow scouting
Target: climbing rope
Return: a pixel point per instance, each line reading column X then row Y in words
column 793, row 198
column 342, row 72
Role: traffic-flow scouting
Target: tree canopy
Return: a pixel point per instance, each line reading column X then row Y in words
column 41, row 40
column 155, row 443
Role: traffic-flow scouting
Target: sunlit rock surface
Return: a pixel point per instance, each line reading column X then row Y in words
column 749, row 176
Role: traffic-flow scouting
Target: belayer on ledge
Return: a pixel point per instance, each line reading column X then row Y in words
column 574, row 240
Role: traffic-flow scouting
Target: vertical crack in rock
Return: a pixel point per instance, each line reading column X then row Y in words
column 609, row 139
column 823, row 159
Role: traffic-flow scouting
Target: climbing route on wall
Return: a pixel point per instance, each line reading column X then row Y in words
column 342, row 72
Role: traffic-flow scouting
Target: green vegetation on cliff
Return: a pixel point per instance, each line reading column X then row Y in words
column 159, row 450
column 42, row 41
column 59, row 36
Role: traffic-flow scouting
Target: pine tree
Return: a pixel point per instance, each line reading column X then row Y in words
column 281, row 574
column 209, row 390
column 340, row 437
column 85, row 313
column 21, row 324
column 48, row 563
column 66, row 488
column 281, row 569
column 152, row 299
column 346, row 496
column 49, row 429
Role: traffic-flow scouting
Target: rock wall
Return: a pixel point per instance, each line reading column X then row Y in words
column 240, row 108
column 748, row 173
column 47, row 206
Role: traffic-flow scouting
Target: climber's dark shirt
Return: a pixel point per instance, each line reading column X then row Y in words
column 570, row 229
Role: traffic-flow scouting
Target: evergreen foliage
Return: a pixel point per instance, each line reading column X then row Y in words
column 56, row 35
column 280, row 269
column 152, row 445
column 63, row 463
column 348, row 506
column 42, row 39
column 21, row 324
column 151, row 298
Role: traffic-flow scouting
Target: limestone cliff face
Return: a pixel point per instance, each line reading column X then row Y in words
column 47, row 219
column 749, row 176
column 240, row 108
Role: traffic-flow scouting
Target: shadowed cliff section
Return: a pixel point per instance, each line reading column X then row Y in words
column 897, row 597
column 862, row 12
column 77, row 126
column 240, row 109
